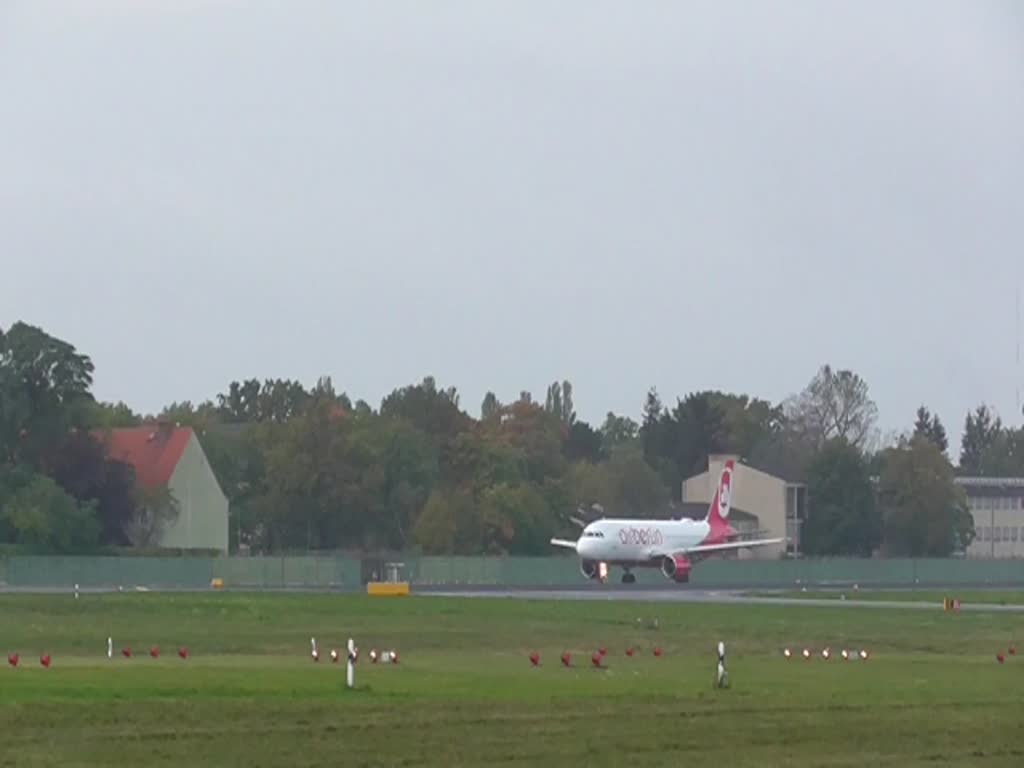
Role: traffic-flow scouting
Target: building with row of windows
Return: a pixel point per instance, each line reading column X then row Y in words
column 997, row 506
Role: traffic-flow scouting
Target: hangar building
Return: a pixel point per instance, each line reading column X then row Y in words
column 763, row 505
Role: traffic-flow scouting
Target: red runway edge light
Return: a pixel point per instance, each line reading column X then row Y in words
column 45, row 660
column 12, row 659
column 566, row 658
column 535, row 658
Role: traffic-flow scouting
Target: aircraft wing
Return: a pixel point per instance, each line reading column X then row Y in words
column 564, row 543
column 729, row 545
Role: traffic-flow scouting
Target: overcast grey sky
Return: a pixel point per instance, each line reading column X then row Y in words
column 682, row 194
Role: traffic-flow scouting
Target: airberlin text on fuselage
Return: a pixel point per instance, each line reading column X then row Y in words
column 640, row 536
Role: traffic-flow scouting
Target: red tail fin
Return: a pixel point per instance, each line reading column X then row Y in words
column 718, row 513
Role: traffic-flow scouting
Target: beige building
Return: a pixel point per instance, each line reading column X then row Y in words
column 763, row 506
column 997, row 506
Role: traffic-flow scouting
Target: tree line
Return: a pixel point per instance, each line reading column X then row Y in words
column 308, row 468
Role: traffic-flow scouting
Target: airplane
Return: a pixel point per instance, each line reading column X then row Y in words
column 671, row 545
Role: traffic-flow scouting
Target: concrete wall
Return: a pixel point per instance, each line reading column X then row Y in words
column 203, row 519
column 753, row 491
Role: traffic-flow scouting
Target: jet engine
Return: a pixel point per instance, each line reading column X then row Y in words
column 589, row 568
column 676, row 568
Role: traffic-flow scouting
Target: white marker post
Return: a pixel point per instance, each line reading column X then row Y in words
column 313, row 653
column 351, row 671
column 76, row 591
column 723, row 676
column 110, row 647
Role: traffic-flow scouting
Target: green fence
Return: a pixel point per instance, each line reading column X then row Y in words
column 338, row 572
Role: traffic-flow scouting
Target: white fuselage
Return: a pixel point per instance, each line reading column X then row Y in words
column 639, row 541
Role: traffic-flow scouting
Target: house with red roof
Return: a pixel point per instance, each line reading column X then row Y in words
column 172, row 456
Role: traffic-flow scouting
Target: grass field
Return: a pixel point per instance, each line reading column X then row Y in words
column 464, row 692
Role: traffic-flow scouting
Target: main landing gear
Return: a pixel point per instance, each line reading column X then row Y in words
column 628, row 578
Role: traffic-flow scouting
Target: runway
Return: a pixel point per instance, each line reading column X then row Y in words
column 616, row 592
column 705, row 596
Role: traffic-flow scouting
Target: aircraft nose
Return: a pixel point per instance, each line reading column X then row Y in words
column 584, row 547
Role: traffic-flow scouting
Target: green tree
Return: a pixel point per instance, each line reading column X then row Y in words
column 787, row 454
column 448, row 524
column 241, row 402
column 536, row 435
column 274, row 400
column 846, row 518
column 199, row 417
column 479, row 458
column 651, row 428
column 81, row 467
column 624, row 486
column 306, row 482
column 155, row 510
column 930, row 427
column 490, row 407
column 583, row 442
column 38, row 517
column 553, row 402
column 923, row 510
column 696, row 430
column 515, row 520
column 281, row 399
column 747, row 422
column 618, row 430
column 433, row 411
column 988, row 448
column 44, row 391
column 112, row 416
column 396, row 467
column 340, row 480
column 559, row 402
